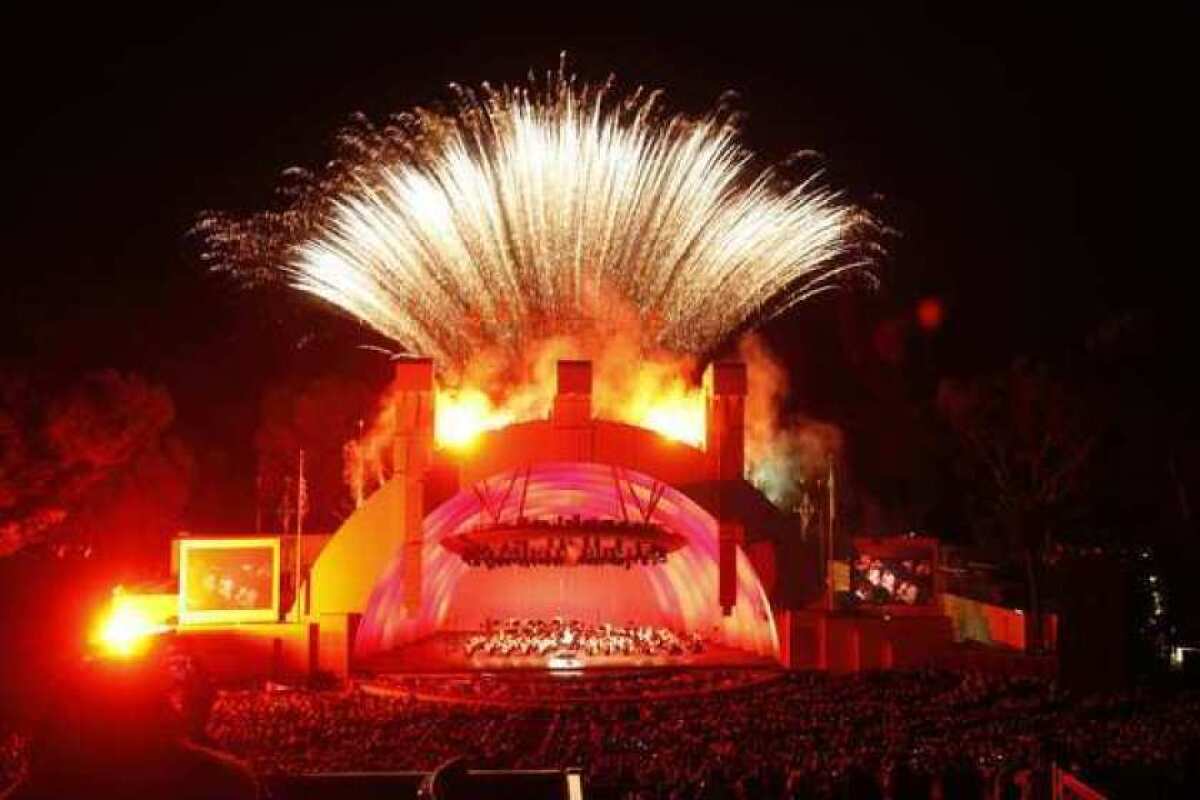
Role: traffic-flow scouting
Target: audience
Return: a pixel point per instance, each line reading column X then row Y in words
column 539, row 688
column 800, row 735
column 112, row 732
column 712, row 733
column 14, row 757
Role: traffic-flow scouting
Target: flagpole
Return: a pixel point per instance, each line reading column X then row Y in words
column 829, row 539
column 301, row 491
column 832, row 504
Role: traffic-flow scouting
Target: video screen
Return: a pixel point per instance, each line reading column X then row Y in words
column 891, row 581
column 229, row 581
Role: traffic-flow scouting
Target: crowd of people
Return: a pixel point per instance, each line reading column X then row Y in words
column 541, row 688
column 117, row 729
column 536, row 637
column 899, row 734
column 905, row 733
column 13, row 756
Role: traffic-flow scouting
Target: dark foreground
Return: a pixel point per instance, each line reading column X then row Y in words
column 722, row 734
column 800, row 735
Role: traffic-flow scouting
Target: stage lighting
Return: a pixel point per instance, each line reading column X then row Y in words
column 125, row 632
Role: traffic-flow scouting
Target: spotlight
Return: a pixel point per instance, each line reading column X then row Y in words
column 125, row 632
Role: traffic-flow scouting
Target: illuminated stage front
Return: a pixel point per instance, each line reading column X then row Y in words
column 679, row 593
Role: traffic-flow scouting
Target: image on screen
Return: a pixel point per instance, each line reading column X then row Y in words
column 891, row 581
column 229, row 581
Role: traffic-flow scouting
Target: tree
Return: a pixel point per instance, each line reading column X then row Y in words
column 88, row 463
column 318, row 417
column 1026, row 441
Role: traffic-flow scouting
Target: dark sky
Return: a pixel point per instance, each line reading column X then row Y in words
column 1011, row 152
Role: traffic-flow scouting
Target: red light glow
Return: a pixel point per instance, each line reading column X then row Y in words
column 930, row 313
column 124, row 631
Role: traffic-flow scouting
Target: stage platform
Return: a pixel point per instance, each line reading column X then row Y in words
column 550, row 689
column 444, row 652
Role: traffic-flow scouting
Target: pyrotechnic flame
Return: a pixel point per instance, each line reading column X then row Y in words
column 463, row 414
column 681, row 420
column 651, row 394
column 655, row 395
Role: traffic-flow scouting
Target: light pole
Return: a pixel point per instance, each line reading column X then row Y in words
column 301, row 504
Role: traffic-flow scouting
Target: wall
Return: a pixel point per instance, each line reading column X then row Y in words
column 817, row 639
column 993, row 625
column 345, row 571
column 242, row 652
column 627, row 446
column 681, row 593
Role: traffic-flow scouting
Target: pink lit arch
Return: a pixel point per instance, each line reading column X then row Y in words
column 682, row 593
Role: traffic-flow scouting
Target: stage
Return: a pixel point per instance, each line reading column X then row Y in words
column 530, row 688
column 445, row 652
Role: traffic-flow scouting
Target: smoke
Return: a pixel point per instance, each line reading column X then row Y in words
column 784, row 453
column 631, row 382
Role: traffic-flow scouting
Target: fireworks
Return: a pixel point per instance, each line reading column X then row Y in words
column 523, row 213
column 558, row 219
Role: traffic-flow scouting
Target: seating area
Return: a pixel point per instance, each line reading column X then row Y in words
column 695, row 733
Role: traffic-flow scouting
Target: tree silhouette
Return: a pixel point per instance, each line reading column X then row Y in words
column 319, row 417
column 89, row 464
column 1026, row 441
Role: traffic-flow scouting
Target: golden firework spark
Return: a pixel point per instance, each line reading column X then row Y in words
column 524, row 212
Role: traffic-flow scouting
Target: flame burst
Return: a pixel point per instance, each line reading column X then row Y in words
column 463, row 414
column 629, row 385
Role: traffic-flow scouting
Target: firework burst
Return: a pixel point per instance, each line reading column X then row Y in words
column 523, row 213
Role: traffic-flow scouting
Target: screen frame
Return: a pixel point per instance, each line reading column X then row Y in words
column 857, row 579
column 899, row 548
column 201, row 616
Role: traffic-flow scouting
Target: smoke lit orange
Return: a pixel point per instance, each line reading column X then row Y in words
column 655, row 390
column 463, row 414
column 652, row 397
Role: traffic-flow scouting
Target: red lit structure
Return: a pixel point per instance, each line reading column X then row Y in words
column 570, row 516
column 601, row 525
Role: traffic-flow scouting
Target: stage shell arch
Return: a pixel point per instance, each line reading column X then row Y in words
column 682, row 593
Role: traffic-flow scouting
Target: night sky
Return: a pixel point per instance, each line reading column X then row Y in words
column 1009, row 152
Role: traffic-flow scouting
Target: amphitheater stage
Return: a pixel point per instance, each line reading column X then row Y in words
column 445, row 652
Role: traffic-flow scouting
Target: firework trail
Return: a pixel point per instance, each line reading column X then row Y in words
column 527, row 212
